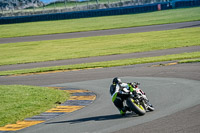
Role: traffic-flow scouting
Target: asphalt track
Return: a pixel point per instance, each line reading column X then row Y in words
column 167, row 94
column 173, row 90
column 168, row 87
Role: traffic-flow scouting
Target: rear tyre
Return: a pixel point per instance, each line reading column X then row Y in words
column 137, row 108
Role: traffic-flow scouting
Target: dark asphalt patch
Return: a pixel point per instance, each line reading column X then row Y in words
column 77, row 102
column 44, row 116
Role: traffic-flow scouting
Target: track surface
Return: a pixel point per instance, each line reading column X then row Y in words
column 172, row 89
column 169, row 95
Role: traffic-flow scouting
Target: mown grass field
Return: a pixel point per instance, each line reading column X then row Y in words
column 39, row 51
column 19, row 102
column 100, row 23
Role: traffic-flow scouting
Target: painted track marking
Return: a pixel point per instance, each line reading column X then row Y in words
column 79, row 99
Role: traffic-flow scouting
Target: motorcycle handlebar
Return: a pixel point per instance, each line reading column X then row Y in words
column 135, row 83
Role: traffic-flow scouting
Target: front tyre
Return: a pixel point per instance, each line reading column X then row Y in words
column 137, row 108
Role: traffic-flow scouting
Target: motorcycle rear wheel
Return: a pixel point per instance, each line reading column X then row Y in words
column 137, row 108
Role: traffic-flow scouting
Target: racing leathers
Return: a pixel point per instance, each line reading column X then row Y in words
column 119, row 93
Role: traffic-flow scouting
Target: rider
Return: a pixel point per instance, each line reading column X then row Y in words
column 119, row 94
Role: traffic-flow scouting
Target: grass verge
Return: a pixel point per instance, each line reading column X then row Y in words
column 104, row 64
column 100, row 23
column 189, row 61
column 19, row 102
column 27, row 52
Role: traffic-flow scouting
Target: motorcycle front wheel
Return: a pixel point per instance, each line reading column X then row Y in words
column 137, row 108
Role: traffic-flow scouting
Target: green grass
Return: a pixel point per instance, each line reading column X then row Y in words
column 19, row 102
column 105, row 64
column 189, row 61
column 27, row 52
column 100, row 23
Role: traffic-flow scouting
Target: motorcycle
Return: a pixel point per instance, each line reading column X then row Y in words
column 137, row 101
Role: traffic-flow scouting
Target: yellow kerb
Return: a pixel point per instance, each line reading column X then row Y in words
column 93, row 97
column 65, row 109
column 76, row 91
column 19, row 125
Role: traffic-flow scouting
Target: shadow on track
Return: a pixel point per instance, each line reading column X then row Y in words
column 96, row 118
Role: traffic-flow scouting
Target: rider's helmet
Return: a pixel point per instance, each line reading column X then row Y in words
column 117, row 80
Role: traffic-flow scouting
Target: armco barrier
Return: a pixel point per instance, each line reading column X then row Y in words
column 101, row 12
column 187, row 3
column 85, row 14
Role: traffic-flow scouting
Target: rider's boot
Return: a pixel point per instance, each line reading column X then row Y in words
column 124, row 110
